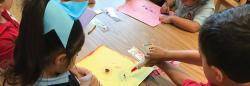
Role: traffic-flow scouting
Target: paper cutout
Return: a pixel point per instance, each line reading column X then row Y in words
column 86, row 17
column 56, row 18
column 143, row 10
column 118, row 67
column 74, row 9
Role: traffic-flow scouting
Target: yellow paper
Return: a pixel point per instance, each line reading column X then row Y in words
column 119, row 67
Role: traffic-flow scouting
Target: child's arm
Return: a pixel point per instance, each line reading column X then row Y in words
column 174, row 73
column 186, row 56
column 185, row 24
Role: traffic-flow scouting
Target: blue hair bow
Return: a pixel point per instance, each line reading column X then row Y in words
column 60, row 16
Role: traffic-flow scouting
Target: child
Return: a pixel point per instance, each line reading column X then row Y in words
column 42, row 56
column 224, row 51
column 188, row 15
column 8, row 34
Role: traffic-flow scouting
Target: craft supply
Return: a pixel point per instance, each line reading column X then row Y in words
column 107, row 70
column 92, row 30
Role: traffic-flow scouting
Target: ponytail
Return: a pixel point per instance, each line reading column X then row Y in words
column 29, row 45
column 35, row 50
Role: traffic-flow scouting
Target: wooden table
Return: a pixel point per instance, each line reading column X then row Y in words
column 129, row 32
column 228, row 4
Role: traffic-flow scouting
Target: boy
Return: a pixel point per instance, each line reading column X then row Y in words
column 224, row 43
column 188, row 15
column 8, row 34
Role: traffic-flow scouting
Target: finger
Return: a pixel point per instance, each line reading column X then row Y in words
column 149, row 54
column 82, row 71
column 149, row 64
column 151, row 51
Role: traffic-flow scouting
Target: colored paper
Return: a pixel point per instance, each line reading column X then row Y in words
column 55, row 18
column 74, row 9
column 113, row 69
column 143, row 10
column 86, row 17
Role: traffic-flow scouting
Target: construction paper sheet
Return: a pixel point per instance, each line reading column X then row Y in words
column 62, row 23
column 86, row 17
column 143, row 10
column 118, row 66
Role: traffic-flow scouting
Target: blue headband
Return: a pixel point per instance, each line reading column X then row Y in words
column 60, row 16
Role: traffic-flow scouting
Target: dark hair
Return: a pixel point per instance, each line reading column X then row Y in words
column 34, row 50
column 225, row 41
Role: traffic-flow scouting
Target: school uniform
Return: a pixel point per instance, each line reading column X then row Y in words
column 8, row 34
column 197, row 13
column 64, row 79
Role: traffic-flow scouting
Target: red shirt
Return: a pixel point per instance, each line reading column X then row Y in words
column 8, row 34
column 193, row 83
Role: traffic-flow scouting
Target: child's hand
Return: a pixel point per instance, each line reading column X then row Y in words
column 79, row 72
column 166, row 19
column 156, row 55
column 171, row 13
column 83, row 75
column 165, row 9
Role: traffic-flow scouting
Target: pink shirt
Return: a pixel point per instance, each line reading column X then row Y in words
column 8, row 34
column 193, row 83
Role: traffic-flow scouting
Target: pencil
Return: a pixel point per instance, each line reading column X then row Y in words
column 91, row 30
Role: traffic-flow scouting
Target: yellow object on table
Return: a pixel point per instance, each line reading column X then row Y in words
column 113, row 69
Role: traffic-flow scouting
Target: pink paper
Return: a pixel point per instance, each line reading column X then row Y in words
column 143, row 10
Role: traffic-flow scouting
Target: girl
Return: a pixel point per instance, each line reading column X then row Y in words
column 9, row 28
column 41, row 58
column 188, row 15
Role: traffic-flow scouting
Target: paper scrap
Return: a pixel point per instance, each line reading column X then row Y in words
column 86, row 17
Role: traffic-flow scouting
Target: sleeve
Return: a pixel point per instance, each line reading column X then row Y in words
column 204, row 12
column 193, row 83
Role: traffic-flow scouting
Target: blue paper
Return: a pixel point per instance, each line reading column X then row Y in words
column 75, row 9
column 56, row 18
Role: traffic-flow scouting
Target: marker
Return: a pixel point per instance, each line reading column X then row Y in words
column 133, row 69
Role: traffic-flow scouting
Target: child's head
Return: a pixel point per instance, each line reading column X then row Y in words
column 37, row 52
column 225, row 46
column 5, row 4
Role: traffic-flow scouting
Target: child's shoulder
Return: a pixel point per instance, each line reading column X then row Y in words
column 6, row 15
column 11, row 22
